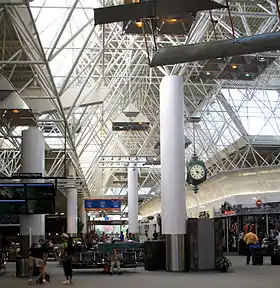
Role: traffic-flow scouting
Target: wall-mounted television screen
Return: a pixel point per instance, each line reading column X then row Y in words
column 15, row 207
column 29, row 198
column 12, row 192
column 41, row 206
column 40, row 191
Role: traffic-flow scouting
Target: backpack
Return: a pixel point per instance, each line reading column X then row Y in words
column 69, row 249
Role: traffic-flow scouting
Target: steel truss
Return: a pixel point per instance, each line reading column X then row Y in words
column 104, row 57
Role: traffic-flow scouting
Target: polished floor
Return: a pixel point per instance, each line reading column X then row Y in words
column 240, row 275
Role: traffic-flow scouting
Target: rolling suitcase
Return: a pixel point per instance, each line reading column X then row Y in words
column 275, row 258
column 257, row 257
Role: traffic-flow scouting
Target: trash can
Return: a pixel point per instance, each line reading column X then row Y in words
column 22, row 267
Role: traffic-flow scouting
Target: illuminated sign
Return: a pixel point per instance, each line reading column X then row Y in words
column 103, row 204
column 232, row 212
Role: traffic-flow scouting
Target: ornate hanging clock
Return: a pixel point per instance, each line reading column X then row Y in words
column 196, row 171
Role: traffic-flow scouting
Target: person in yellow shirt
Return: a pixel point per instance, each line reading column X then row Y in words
column 250, row 239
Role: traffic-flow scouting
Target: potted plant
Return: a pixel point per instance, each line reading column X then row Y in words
column 223, row 264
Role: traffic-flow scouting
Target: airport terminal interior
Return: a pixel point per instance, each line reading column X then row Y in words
column 140, row 143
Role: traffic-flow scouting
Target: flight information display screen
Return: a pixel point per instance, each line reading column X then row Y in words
column 11, row 192
column 40, row 191
column 41, row 206
column 29, row 198
column 15, row 207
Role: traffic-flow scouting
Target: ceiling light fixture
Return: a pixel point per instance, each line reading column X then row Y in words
column 15, row 111
column 208, row 73
column 234, row 66
column 247, row 75
column 139, row 24
column 172, row 20
column 261, row 59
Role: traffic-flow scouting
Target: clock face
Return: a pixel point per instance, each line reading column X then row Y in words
column 197, row 172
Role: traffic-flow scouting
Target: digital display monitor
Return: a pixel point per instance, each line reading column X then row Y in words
column 15, row 207
column 102, row 204
column 41, row 206
column 29, row 198
column 12, row 192
column 40, row 191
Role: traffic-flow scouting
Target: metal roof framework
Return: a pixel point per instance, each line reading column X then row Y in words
column 51, row 52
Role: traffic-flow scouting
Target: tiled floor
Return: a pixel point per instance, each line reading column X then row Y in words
column 241, row 275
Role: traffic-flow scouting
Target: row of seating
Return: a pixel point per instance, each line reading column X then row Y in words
column 121, row 246
column 92, row 259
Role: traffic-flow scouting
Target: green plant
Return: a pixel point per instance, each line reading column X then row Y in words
column 223, row 264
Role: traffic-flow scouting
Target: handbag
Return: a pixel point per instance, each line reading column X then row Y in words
column 255, row 246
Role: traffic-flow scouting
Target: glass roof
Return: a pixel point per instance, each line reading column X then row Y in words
column 258, row 110
column 50, row 16
column 213, row 133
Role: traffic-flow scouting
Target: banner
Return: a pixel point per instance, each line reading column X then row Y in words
column 103, row 205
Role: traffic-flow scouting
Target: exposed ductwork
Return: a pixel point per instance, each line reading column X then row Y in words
column 217, row 49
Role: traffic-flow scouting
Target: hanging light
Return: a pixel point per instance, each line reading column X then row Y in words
column 234, row 66
column 15, row 111
column 139, row 24
column 171, row 20
column 261, row 59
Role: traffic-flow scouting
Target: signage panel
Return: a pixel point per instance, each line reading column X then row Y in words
column 102, row 204
column 28, row 175
column 266, row 208
column 108, row 222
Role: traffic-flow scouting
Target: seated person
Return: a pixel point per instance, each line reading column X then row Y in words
column 122, row 237
column 116, row 259
column 155, row 235
column 37, row 256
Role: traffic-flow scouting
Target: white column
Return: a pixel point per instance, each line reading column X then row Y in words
column 32, row 161
column 33, row 226
column 83, row 217
column 172, row 150
column 72, row 211
column 133, row 200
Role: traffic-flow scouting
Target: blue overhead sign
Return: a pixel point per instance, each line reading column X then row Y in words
column 102, row 204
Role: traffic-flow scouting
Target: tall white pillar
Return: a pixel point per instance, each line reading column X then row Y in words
column 32, row 227
column 72, row 210
column 83, row 217
column 133, row 200
column 172, row 150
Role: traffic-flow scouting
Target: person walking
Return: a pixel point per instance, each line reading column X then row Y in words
column 37, row 260
column 66, row 256
column 250, row 239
